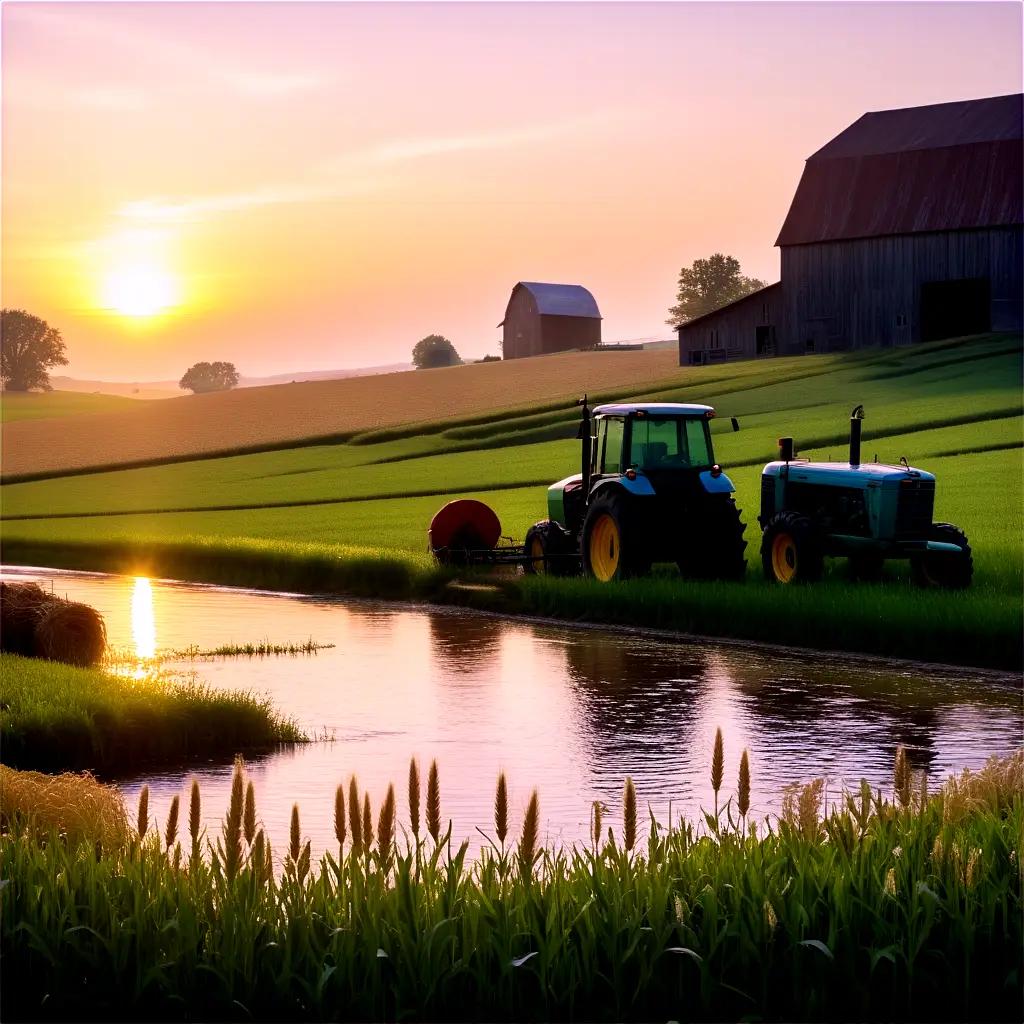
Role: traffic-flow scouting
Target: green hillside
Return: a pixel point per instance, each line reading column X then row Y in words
column 953, row 408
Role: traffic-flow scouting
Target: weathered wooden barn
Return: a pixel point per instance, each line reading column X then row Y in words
column 543, row 318
column 908, row 226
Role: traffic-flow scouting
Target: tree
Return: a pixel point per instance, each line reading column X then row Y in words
column 206, row 377
column 28, row 348
column 708, row 285
column 434, row 350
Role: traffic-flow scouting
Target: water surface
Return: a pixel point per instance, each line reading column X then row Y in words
column 571, row 711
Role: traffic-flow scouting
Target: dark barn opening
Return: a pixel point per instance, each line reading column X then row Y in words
column 951, row 309
column 764, row 339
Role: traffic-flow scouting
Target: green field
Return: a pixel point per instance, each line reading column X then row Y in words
column 899, row 905
column 56, row 717
column 952, row 407
column 38, row 405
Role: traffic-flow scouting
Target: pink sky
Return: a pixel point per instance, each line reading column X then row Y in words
column 317, row 186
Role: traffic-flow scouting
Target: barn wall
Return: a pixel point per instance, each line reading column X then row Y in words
column 521, row 332
column 733, row 332
column 560, row 333
column 852, row 294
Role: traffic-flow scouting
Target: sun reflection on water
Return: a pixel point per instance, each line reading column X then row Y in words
column 143, row 619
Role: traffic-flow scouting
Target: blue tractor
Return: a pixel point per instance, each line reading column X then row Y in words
column 865, row 513
column 649, row 490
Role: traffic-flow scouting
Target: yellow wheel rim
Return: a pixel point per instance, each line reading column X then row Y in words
column 604, row 548
column 784, row 563
column 537, row 555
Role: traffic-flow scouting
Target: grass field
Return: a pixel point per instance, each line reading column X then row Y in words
column 953, row 408
column 37, row 405
column 57, row 718
column 286, row 414
column 898, row 905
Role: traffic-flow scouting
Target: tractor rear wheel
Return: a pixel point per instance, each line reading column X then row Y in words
column 716, row 546
column 947, row 570
column 548, row 551
column 612, row 545
column 790, row 550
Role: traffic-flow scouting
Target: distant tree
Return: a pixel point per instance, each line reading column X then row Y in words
column 205, row 377
column 28, row 348
column 490, row 359
column 434, row 350
column 708, row 285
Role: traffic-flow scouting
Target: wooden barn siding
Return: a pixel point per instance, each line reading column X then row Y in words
column 736, row 326
column 848, row 294
column 527, row 334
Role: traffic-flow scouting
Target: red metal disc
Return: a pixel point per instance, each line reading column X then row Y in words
column 464, row 524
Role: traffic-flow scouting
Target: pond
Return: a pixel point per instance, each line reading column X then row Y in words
column 571, row 711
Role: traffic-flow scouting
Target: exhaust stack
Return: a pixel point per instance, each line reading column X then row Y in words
column 584, row 436
column 856, row 419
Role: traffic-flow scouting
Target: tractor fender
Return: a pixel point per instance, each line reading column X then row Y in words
column 716, row 485
column 949, row 549
column 639, row 488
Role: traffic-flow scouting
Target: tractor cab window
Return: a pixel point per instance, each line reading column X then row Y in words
column 669, row 443
column 612, row 432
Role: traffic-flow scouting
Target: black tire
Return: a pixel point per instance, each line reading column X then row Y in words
column 612, row 545
column 865, row 567
column 944, row 569
column 549, row 551
column 714, row 548
column 790, row 550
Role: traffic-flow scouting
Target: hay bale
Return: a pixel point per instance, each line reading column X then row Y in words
column 70, row 632
column 76, row 805
column 39, row 624
column 20, row 607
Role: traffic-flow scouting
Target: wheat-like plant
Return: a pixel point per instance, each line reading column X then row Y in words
column 717, row 766
column 433, row 802
column 249, row 815
column 629, row 814
column 595, row 823
column 529, row 837
column 386, row 827
column 355, row 822
column 142, row 820
column 339, row 817
column 171, row 832
column 743, row 788
column 294, row 836
column 367, row 823
column 414, row 796
column 501, row 809
column 195, row 815
column 902, row 777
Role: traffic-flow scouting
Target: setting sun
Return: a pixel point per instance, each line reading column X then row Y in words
column 140, row 291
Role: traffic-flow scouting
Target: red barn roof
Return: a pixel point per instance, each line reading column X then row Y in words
column 937, row 168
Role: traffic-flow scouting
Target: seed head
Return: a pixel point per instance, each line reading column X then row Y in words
column 743, row 790
column 595, row 826
column 249, row 816
column 973, row 867
column 902, row 777
column 294, row 835
column 528, row 840
column 171, row 832
column 386, row 827
column 339, row 816
column 717, row 762
column 770, row 920
column 194, row 813
column 143, row 819
column 501, row 809
column 433, row 802
column 367, row 823
column 890, row 881
column 629, row 814
column 414, row 797
column 355, row 821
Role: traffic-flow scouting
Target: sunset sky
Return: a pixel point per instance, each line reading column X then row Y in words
column 298, row 187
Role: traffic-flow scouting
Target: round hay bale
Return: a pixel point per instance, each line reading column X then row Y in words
column 21, row 605
column 70, row 632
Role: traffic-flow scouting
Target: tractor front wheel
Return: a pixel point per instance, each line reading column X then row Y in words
column 790, row 551
column 611, row 544
column 548, row 551
column 947, row 570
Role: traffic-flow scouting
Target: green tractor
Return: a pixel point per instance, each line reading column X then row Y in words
column 649, row 491
column 865, row 513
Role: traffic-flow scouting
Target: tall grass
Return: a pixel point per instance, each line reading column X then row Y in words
column 56, row 718
column 870, row 908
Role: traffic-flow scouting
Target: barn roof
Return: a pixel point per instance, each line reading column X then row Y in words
column 560, row 299
column 943, row 167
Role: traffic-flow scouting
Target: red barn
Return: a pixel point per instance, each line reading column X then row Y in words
column 543, row 318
